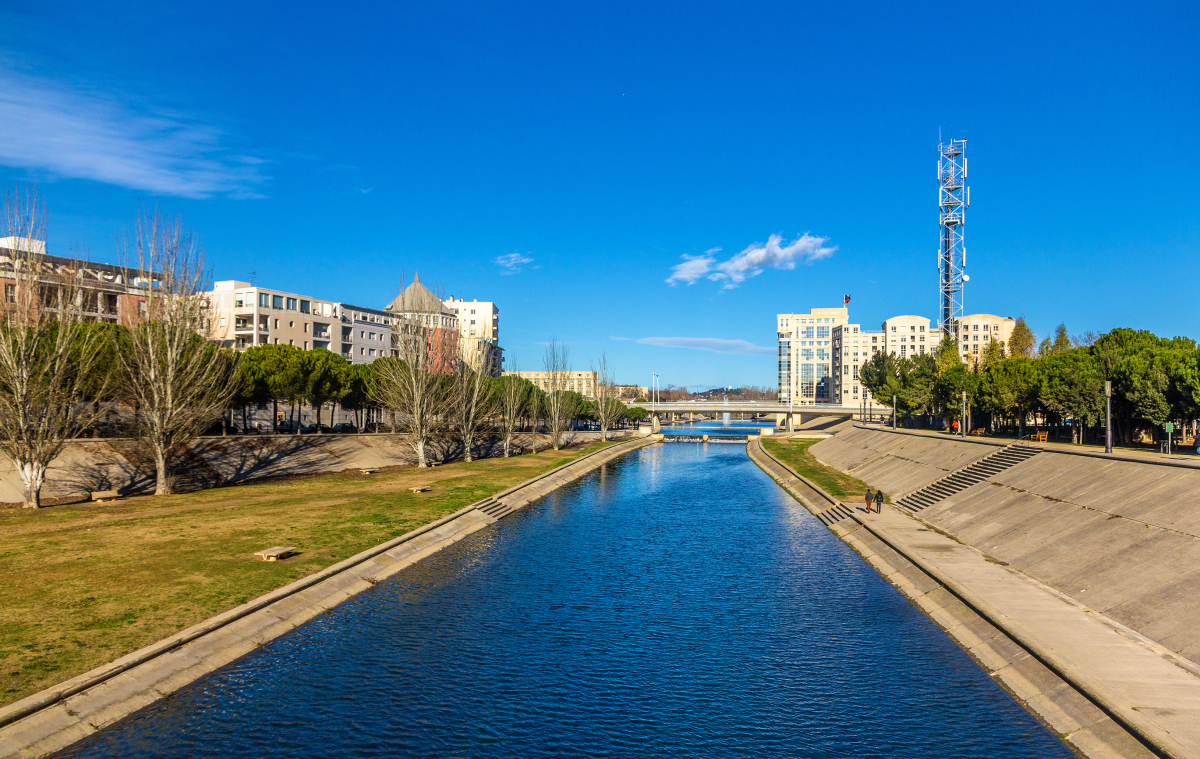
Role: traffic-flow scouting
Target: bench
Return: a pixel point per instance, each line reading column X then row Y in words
column 419, row 488
column 980, row 432
column 105, row 495
column 1041, row 437
column 274, row 554
column 369, row 471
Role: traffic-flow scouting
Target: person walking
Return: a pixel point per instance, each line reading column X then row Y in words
column 878, row 502
column 870, row 498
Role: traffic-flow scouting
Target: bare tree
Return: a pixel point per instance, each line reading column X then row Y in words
column 512, row 399
column 412, row 383
column 472, row 400
column 179, row 381
column 609, row 408
column 559, row 406
column 48, row 355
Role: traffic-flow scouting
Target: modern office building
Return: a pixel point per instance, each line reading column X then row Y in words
column 853, row 347
column 806, row 355
column 479, row 332
column 364, row 334
column 582, row 382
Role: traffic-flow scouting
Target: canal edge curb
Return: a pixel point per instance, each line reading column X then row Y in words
column 1063, row 706
column 54, row 718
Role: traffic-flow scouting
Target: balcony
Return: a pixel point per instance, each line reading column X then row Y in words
column 320, row 335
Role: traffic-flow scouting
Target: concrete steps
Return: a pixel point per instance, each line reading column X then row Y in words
column 495, row 509
column 960, row 480
column 835, row 514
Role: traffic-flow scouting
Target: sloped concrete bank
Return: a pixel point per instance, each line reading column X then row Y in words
column 981, row 629
column 59, row 716
column 1119, row 534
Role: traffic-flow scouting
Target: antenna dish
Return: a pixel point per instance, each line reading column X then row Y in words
column 966, row 278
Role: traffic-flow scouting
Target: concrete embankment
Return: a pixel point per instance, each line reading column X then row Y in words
column 120, row 464
column 1105, row 689
column 1118, row 534
column 57, row 717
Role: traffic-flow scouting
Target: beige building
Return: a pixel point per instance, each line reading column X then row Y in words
column 806, row 355
column 583, row 382
column 631, row 392
column 977, row 330
column 479, row 331
column 245, row 316
column 853, row 347
column 909, row 335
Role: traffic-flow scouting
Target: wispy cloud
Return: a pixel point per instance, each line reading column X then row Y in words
column 52, row 127
column 512, row 263
column 714, row 344
column 614, row 337
column 750, row 262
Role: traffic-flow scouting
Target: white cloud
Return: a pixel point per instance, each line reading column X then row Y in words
column 752, row 261
column 512, row 263
column 714, row 344
column 614, row 337
column 51, row 127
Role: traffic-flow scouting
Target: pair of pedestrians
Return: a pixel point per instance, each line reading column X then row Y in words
column 877, row 498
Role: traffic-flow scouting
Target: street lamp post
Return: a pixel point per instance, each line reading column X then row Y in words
column 1108, row 416
column 893, row 412
column 963, row 420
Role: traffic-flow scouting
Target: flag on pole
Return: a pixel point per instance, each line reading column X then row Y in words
column 846, row 302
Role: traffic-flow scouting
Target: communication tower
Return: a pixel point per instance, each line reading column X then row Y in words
column 953, row 198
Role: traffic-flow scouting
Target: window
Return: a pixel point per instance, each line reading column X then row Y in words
column 291, row 324
column 222, row 322
column 362, row 351
column 276, row 324
column 995, row 327
column 822, row 331
column 371, row 352
column 10, row 293
column 237, row 300
column 276, row 301
column 806, row 332
column 304, row 306
column 291, row 342
column 264, row 300
column 922, row 328
column 141, row 308
column 913, row 328
column 362, row 333
column 874, row 339
column 893, row 329
column 985, row 338
column 291, row 304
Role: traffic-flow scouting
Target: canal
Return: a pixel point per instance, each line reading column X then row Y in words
column 675, row 603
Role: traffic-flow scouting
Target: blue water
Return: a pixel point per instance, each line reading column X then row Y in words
column 675, row 603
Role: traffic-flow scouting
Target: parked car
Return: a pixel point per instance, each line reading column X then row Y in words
column 311, row 429
column 287, row 427
column 345, row 428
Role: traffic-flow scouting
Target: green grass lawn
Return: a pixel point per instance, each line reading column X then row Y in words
column 84, row 584
column 794, row 453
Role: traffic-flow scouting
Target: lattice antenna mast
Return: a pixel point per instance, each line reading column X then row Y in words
column 953, row 198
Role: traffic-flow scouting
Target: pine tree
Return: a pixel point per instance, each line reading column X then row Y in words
column 1022, row 340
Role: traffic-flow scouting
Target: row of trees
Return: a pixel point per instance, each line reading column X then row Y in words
column 62, row 366
column 1154, row 380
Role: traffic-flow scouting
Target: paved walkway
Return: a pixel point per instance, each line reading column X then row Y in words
column 1151, row 690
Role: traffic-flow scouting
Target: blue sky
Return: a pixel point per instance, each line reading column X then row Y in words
column 564, row 160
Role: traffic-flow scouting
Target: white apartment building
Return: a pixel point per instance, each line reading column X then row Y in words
column 853, row 347
column 479, row 330
column 806, row 355
column 364, row 334
column 582, row 382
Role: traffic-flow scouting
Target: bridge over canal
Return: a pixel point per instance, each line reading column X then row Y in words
column 786, row 417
